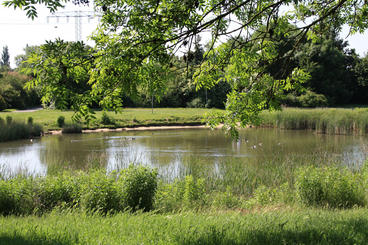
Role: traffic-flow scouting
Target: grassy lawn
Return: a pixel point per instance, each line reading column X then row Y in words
column 266, row 226
column 127, row 118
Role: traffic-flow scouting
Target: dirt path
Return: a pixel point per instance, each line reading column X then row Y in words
column 30, row 110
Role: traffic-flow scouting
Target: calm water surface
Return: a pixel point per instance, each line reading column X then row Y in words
column 171, row 151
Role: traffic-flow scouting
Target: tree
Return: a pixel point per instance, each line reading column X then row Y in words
column 61, row 71
column 20, row 60
column 134, row 33
column 5, row 59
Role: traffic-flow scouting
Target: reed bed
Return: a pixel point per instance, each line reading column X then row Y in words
column 324, row 120
column 14, row 130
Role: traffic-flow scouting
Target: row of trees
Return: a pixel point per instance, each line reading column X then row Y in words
column 137, row 40
column 338, row 76
column 12, row 91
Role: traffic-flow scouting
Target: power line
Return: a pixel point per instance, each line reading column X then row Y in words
column 77, row 15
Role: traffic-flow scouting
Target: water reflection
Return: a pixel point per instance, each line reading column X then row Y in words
column 24, row 157
column 178, row 152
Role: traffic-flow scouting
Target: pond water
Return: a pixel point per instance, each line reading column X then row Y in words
column 175, row 152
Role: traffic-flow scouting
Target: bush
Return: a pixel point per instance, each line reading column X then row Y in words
column 9, row 120
column 312, row 99
column 330, row 187
column 30, row 121
column 72, row 129
column 106, row 120
column 61, row 121
column 99, row 193
column 3, row 104
column 308, row 99
column 184, row 193
column 196, row 103
column 13, row 94
column 226, row 199
column 7, row 202
column 193, row 190
column 138, row 186
column 56, row 191
column 96, row 191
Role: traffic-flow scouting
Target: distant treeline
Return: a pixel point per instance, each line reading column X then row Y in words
column 338, row 76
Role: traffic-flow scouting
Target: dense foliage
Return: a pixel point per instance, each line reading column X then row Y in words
column 13, row 94
column 97, row 191
column 250, row 50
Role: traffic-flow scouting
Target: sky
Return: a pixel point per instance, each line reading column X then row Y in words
column 16, row 30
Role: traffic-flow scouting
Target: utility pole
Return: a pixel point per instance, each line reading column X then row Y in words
column 77, row 15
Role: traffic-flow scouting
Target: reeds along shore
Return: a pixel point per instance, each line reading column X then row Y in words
column 325, row 121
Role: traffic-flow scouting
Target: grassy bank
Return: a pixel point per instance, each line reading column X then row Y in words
column 139, row 188
column 266, row 226
column 129, row 117
column 322, row 205
column 328, row 121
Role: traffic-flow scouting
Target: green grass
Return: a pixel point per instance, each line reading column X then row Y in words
column 328, row 120
column 266, row 226
column 129, row 117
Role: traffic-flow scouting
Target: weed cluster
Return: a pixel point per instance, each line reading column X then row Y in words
column 13, row 130
column 74, row 128
column 311, row 186
column 130, row 189
column 326, row 121
column 106, row 119
column 61, row 121
column 331, row 187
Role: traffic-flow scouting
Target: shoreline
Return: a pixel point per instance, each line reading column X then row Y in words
column 138, row 128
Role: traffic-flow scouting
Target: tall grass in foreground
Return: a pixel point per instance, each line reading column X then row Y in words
column 327, row 121
column 235, row 185
column 13, row 130
column 96, row 191
column 273, row 226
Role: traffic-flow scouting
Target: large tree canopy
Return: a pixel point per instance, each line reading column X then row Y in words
column 136, row 35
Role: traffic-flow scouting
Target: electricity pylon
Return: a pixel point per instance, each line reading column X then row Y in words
column 77, row 15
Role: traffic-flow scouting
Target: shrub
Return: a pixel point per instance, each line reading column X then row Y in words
column 24, row 195
column 7, row 202
column 57, row 191
column 312, row 99
column 30, row 121
column 196, row 103
column 193, row 190
column 99, row 193
column 13, row 94
column 183, row 193
column 72, row 129
column 61, row 121
column 226, row 199
column 138, row 186
column 330, row 186
column 3, row 104
column 9, row 120
column 96, row 191
column 106, row 120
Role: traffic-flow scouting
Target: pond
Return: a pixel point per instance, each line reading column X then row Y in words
column 179, row 152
